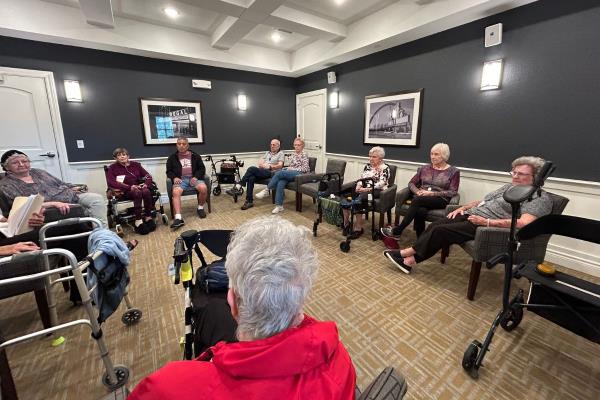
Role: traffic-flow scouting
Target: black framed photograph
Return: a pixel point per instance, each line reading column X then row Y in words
column 394, row 119
column 165, row 120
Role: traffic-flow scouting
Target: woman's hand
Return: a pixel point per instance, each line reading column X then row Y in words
column 479, row 221
column 455, row 213
column 37, row 219
column 17, row 248
column 363, row 190
column 62, row 207
column 177, row 181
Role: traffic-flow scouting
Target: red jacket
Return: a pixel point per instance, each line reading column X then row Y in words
column 305, row 362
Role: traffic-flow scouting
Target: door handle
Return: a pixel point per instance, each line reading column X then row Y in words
column 319, row 147
column 48, row 154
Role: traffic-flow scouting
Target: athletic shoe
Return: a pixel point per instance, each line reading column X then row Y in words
column 277, row 210
column 177, row 223
column 262, row 194
column 234, row 191
column 151, row 225
column 395, row 257
column 141, row 229
column 355, row 234
column 247, row 205
column 388, row 231
column 201, row 213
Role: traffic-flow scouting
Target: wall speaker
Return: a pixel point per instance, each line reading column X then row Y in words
column 493, row 35
column 331, row 77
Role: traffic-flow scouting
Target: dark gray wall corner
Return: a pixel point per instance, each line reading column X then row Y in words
column 112, row 83
column 547, row 105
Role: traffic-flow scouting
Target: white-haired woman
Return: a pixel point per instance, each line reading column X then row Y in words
column 379, row 172
column 432, row 187
column 282, row 353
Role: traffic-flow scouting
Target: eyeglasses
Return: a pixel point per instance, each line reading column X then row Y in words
column 517, row 174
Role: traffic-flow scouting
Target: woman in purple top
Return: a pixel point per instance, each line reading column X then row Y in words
column 133, row 181
column 432, row 187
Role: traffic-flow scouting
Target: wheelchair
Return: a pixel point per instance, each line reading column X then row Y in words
column 120, row 208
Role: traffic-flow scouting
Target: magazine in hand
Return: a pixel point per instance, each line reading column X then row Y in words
column 23, row 208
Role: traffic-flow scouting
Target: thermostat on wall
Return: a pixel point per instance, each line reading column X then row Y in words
column 200, row 84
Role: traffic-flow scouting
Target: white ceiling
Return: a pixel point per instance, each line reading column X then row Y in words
column 315, row 34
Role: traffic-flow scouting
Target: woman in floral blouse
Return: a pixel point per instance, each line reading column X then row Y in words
column 298, row 165
column 379, row 172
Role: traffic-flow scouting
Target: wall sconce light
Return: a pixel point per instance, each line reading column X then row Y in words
column 491, row 75
column 334, row 99
column 242, row 104
column 73, row 91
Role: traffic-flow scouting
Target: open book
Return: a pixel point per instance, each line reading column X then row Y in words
column 22, row 209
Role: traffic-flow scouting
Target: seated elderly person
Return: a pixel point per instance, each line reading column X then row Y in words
column 298, row 165
column 282, row 353
column 432, row 187
column 22, row 242
column 460, row 225
column 379, row 174
column 22, row 180
column 133, row 181
column 270, row 162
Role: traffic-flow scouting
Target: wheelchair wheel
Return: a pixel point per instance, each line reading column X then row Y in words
column 217, row 190
column 165, row 219
column 345, row 246
column 119, row 230
column 122, row 373
column 470, row 357
column 131, row 316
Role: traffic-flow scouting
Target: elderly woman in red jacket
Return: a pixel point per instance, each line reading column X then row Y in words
column 282, row 352
column 130, row 178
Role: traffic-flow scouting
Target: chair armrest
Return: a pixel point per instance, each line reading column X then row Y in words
column 306, row 178
column 348, row 187
column 169, row 187
column 52, row 214
column 451, row 207
column 403, row 195
column 387, row 198
column 488, row 242
column 454, row 200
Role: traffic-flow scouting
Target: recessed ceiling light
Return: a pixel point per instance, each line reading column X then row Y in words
column 171, row 12
column 276, row 37
column 339, row 2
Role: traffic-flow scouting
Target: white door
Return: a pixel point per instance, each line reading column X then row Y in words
column 311, row 113
column 26, row 119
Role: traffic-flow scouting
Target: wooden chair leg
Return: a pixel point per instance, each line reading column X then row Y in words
column 381, row 220
column 8, row 390
column 445, row 254
column 273, row 196
column 208, row 203
column 389, row 216
column 473, row 279
column 397, row 220
column 298, row 201
column 171, row 207
column 42, row 303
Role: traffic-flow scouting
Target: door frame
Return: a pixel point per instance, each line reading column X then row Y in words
column 309, row 94
column 59, row 137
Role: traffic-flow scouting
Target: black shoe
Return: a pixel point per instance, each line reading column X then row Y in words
column 247, row 205
column 234, row 191
column 201, row 213
column 151, row 225
column 356, row 234
column 142, row 229
column 388, row 231
column 395, row 257
column 177, row 223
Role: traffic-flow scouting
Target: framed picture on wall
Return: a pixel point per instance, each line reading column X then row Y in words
column 164, row 120
column 393, row 119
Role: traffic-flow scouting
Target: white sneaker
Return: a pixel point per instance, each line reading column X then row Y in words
column 262, row 194
column 277, row 210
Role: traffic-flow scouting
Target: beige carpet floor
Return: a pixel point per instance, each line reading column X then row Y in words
column 419, row 323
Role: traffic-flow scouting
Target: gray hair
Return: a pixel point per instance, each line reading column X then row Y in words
column 299, row 139
column 119, row 150
column 443, row 148
column 378, row 151
column 271, row 264
column 534, row 162
column 185, row 139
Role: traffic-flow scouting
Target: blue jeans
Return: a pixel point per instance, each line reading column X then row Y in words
column 278, row 182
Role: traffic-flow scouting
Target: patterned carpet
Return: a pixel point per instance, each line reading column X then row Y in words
column 419, row 323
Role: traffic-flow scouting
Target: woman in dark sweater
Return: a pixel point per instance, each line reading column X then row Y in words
column 432, row 187
column 133, row 181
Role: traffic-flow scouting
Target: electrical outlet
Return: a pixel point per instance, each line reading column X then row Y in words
column 80, row 144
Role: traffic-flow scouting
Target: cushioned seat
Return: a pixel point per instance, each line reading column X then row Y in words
column 308, row 184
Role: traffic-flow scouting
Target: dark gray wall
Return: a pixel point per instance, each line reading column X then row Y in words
column 111, row 84
column 548, row 104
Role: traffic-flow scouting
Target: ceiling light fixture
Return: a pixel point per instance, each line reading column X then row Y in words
column 171, row 12
column 276, row 36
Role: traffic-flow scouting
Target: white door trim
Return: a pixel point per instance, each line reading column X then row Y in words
column 59, row 136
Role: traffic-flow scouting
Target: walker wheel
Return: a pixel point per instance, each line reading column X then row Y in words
column 469, row 359
column 511, row 318
column 345, row 246
column 119, row 230
column 165, row 219
column 131, row 316
column 217, row 190
column 122, row 373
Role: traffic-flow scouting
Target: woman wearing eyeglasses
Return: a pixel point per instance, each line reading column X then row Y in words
column 460, row 225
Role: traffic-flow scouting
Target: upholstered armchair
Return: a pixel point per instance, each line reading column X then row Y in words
column 308, row 184
column 312, row 164
column 490, row 241
column 404, row 195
